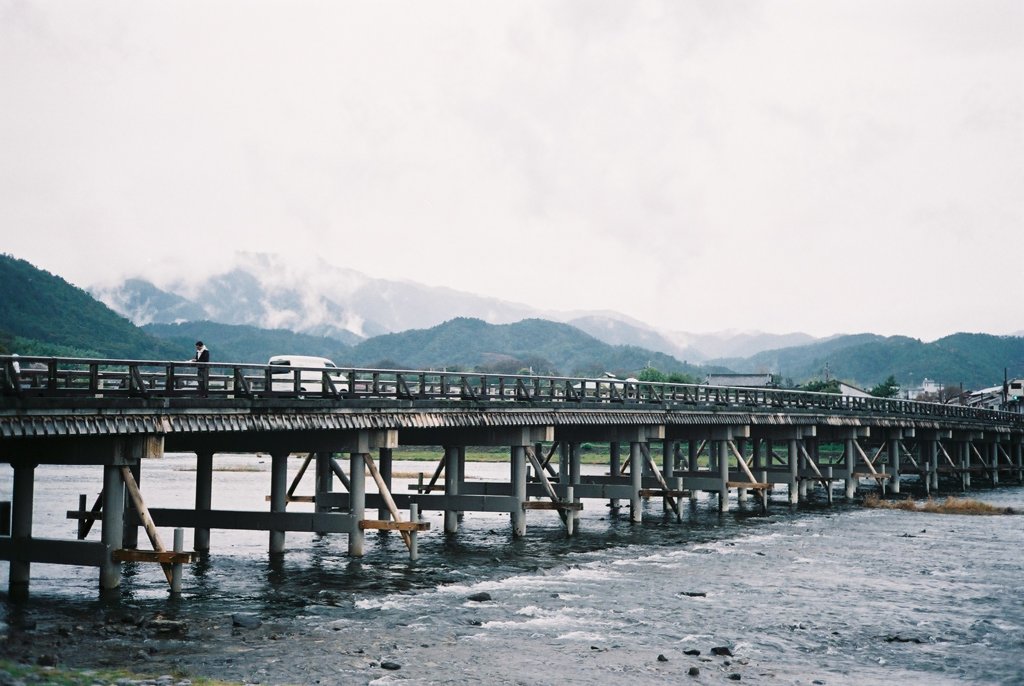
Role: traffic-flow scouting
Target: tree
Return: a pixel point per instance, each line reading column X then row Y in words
column 887, row 389
column 819, row 386
column 651, row 374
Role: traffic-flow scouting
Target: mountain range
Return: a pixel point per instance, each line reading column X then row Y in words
column 320, row 299
column 42, row 314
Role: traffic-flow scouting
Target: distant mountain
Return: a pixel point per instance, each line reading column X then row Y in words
column 42, row 314
column 736, row 344
column 241, row 343
column 544, row 346
column 618, row 331
column 975, row 360
column 319, row 299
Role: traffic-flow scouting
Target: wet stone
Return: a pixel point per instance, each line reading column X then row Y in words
column 387, row 664
column 694, row 671
column 480, row 597
column 245, row 620
column 692, row 651
column 662, row 658
column 721, row 651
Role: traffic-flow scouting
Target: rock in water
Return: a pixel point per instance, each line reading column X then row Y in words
column 246, row 620
column 480, row 597
column 387, row 664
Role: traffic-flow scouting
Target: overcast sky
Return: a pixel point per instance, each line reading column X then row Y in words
column 806, row 166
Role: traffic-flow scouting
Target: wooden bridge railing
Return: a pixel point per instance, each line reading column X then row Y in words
column 27, row 376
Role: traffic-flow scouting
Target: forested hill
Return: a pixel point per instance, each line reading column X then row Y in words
column 42, row 314
column 975, row 360
column 543, row 346
column 251, row 344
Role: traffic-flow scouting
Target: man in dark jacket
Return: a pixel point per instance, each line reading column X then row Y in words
column 202, row 355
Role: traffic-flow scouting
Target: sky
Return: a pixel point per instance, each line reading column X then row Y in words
column 816, row 166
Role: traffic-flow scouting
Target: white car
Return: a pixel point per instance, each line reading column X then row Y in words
column 310, row 371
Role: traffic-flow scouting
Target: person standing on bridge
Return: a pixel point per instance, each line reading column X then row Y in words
column 202, row 355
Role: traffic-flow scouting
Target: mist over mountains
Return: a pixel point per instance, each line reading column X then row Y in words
column 319, row 299
column 42, row 314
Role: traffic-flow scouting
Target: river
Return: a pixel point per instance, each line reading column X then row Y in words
column 820, row 595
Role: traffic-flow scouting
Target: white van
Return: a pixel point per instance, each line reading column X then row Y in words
column 310, row 371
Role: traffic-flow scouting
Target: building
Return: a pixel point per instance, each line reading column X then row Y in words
column 743, row 380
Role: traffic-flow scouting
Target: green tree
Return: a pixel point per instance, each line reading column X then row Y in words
column 819, row 386
column 651, row 374
column 887, row 389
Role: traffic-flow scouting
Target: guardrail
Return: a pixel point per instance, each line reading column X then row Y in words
column 25, row 377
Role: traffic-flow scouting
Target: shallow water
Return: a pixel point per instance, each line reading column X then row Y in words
column 837, row 595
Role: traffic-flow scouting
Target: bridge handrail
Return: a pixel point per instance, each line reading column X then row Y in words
column 41, row 376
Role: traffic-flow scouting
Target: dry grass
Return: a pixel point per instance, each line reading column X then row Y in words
column 951, row 505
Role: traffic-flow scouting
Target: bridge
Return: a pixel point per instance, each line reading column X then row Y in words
column 743, row 444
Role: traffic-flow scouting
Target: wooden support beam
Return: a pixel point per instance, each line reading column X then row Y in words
column 298, row 477
column 296, row 498
column 390, row 525
column 167, row 557
column 646, row 452
column 147, row 520
column 661, row 492
column 749, row 485
column 549, row 505
column 386, row 495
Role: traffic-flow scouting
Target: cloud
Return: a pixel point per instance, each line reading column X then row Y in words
column 698, row 165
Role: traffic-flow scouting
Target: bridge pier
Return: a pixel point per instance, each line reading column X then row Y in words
column 668, row 468
column 204, row 497
column 451, row 486
column 614, row 469
column 518, row 468
column 1018, row 458
column 575, row 457
column 793, row 457
column 21, row 525
column 384, row 466
column 278, row 495
column 893, row 451
column 112, row 525
column 964, row 457
column 356, row 502
column 636, row 472
column 851, row 468
column 131, row 515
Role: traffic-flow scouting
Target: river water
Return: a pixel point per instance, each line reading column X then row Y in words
column 821, row 595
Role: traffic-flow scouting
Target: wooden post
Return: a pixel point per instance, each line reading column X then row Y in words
column 131, row 532
column 894, row 463
column 204, row 497
column 357, row 503
column 384, row 456
column 21, row 526
column 414, row 516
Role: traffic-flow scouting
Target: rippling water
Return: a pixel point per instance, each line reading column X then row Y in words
column 837, row 595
